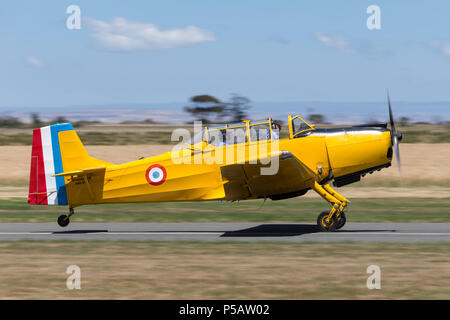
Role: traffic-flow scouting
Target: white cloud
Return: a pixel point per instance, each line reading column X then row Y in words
column 442, row 46
column 336, row 42
column 35, row 62
column 123, row 35
column 361, row 46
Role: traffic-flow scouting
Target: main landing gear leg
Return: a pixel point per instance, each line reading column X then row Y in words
column 335, row 218
column 64, row 220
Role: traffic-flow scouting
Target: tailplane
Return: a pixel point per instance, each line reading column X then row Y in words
column 56, row 149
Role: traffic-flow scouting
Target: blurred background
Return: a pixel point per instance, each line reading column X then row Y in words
column 127, row 74
column 146, row 61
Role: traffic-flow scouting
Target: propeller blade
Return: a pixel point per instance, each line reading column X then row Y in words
column 396, row 137
column 391, row 117
column 397, row 157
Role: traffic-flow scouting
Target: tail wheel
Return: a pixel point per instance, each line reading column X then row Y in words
column 63, row 220
column 325, row 224
column 341, row 221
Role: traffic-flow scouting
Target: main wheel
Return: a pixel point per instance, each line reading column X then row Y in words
column 341, row 221
column 324, row 225
column 63, row 220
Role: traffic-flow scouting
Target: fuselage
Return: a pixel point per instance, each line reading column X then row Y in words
column 354, row 151
column 341, row 155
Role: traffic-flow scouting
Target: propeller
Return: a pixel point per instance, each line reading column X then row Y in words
column 396, row 137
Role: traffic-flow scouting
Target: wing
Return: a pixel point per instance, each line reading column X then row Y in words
column 245, row 180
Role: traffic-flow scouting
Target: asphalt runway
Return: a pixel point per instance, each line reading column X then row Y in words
column 275, row 232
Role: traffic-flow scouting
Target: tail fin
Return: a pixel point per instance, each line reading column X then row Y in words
column 56, row 148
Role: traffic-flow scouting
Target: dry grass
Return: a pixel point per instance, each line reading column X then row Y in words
column 421, row 162
column 160, row 270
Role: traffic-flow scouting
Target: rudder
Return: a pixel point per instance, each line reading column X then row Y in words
column 46, row 161
column 56, row 149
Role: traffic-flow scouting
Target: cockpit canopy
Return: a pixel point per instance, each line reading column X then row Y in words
column 297, row 126
column 245, row 131
column 235, row 133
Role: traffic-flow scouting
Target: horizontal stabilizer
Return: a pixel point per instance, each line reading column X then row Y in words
column 82, row 172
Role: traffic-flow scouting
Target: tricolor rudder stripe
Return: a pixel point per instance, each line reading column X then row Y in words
column 46, row 161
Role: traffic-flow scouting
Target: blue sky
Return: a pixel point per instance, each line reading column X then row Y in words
column 144, row 51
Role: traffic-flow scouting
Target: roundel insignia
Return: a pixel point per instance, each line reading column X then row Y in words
column 156, row 174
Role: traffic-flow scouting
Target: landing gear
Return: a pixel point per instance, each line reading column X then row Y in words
column 335, row 218
column 325, row 223
column 341, row 221
column 63, row 220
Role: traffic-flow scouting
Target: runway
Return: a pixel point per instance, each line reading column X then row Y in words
column 254, row 232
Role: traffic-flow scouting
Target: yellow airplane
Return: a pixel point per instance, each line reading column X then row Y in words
column 222, row 163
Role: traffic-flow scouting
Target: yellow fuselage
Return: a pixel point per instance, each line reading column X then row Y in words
column 326, row 153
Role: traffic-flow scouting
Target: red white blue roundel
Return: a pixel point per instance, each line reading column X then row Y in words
column 156, row 174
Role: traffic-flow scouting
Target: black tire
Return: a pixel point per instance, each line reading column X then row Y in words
column 341, row 221
column 63, row 220
column 324, row 225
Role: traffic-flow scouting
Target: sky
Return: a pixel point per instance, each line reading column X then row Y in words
column 269, row 51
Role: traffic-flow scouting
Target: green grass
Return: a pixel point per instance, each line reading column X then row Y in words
column 97, row 138
column 125, row 138
column 295, row 210
column 412, row 135
column 15, row 139
column 161, row 134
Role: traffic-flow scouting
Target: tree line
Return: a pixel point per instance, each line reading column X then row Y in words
column 204, row 107
column 36, row 122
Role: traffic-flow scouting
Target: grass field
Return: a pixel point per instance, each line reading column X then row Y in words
column 294, row 210
column 126, row 134
column 189, row 270
column 422, row 163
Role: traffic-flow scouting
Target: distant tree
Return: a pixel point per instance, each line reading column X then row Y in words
column 280, row 122
column 206, row 108
column 59, row 119
column 205, row 98
column 210, row 109
column 10, row 122
column 237, row 107
column 316, row 118
column 36, row 122
column 80, row 123
column 404, row 121
column 371, row 119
